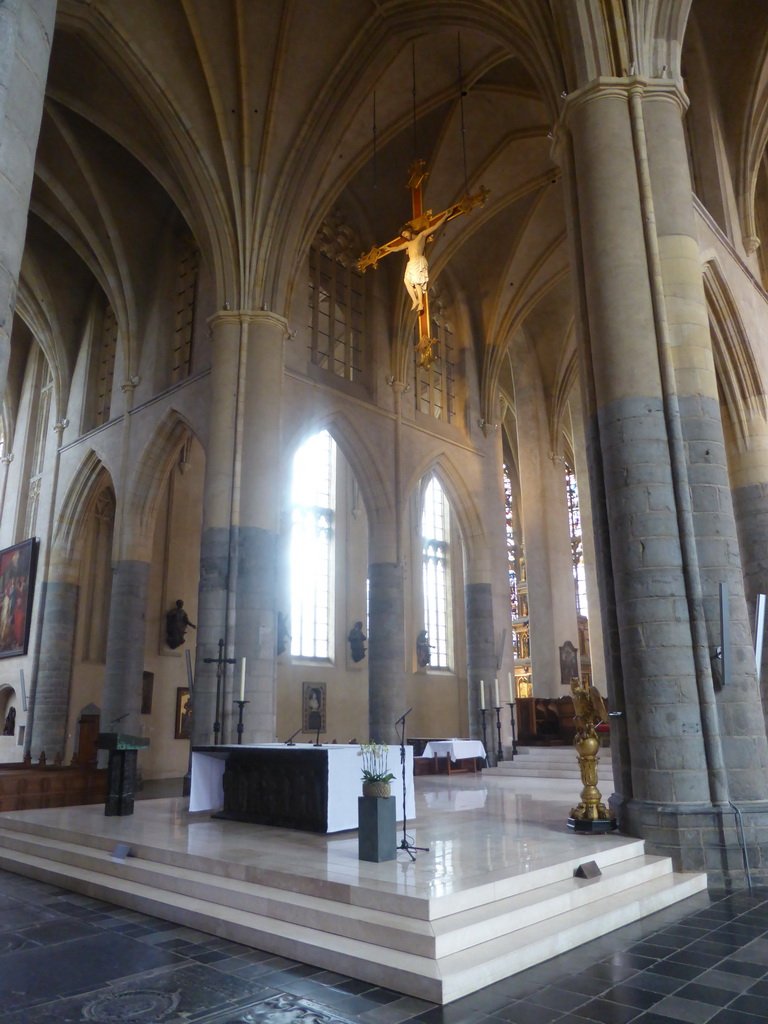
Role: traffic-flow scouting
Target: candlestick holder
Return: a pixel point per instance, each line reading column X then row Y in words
column 485, row 735
column 511, row 704
column 241, row 705
column 499, row 750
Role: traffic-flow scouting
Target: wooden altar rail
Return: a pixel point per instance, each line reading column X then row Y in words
column 25, row 786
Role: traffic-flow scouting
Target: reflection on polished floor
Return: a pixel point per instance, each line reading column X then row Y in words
column 478, row 830
column 492, row 894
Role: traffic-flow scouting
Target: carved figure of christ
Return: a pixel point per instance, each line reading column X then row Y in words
column 412, row 239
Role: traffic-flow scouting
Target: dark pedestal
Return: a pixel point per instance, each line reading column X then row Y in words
column 121, row 770
column 595, row 828
column 376, row 838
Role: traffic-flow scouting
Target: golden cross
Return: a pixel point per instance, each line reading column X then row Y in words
column 413, row 238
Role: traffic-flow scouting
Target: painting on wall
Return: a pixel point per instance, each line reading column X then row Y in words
column 314, row 707
column 183, row 713
column 17, row 580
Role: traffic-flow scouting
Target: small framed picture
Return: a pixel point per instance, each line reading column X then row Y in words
column 314, row 707
column 183, row 712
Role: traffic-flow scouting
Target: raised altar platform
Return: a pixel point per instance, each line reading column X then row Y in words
column 494, row 894
column 314, row 789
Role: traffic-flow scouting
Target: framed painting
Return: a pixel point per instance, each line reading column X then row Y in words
column 313, row 704
column 183, row 713
column 18, row 565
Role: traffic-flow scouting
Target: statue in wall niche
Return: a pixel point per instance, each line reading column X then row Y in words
column 357, row 640
column 176, row 623
column 423, row 649
column 9, row 728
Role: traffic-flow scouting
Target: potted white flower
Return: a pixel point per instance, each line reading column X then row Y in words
column 376, row 778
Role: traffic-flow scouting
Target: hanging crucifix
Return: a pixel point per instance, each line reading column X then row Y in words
column 413, row 239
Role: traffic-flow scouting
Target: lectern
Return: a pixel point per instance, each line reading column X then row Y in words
column 121, row 770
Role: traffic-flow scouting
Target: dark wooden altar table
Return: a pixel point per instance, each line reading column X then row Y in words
column 305, row 787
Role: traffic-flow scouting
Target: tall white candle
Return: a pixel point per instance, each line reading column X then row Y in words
column 511, row 691
column 482, row 695
column 496, row 693
column 242, row 679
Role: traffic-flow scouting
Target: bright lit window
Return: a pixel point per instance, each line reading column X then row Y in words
column 577, row 546
column 435, row 534
column 312, row 500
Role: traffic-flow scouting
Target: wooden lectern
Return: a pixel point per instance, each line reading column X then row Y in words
column 121, row 770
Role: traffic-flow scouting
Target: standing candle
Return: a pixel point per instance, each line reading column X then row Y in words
column 511, row 691
column 496, row 693
column 482, row 695
column 242, row 680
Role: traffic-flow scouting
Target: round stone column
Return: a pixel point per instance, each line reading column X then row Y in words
column 49, row 701
column 217, row 540
column 665, row 745
column 121, row 705
column 26, row 28
column 386, row 629
column 259, row 485
column 745, row 749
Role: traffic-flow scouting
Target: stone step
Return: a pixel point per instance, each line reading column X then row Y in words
column 436, row 949
column 444, row 935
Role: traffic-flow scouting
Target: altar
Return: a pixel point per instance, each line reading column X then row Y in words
column 302, row 786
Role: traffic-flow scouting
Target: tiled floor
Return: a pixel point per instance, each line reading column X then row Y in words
column 66, row 958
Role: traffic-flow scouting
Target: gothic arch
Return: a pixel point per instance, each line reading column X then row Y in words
column 72, row 521
column 737, row 371
column 463, row 505
column 374, row 489
column 146, row 485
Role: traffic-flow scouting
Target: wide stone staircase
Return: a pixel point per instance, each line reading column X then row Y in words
column 436, row 947
column 553, row 763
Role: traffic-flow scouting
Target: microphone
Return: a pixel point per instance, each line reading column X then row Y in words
column 403, row 717
column 289, row 742
column 116, row 720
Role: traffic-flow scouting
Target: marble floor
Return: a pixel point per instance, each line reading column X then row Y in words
column 70, row 958
column 475, row 830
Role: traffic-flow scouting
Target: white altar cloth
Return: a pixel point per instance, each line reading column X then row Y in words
column 344, row 779
column 455, row 749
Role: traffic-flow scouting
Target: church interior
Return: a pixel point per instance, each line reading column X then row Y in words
column 385, row 366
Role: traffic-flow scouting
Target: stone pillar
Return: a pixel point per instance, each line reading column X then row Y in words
column 49, row 704
column 486, row 595
column 258, row 532
column 748, row 473
column 121, row 705
column 745, row 748
column 386, row 649
column 671, row 535
column 548, row 556
column 660, row 698
column 216, row 544
column 26, row 28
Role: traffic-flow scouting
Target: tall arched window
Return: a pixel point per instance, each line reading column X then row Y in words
column 435, row 539
column 313, row 509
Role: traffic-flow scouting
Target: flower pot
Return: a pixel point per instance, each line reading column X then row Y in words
column 381, row 790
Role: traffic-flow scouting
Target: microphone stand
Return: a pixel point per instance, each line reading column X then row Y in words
column 405, row 845
column 289, row 742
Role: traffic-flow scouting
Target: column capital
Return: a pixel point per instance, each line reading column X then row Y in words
column 601, row 88
column 250, row 316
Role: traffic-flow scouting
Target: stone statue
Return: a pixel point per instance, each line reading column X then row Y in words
column 356, row 642
column 176, row 623
column 9, row 728
column 423, row 649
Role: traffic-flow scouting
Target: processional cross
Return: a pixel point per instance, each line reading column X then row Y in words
column 413, row 238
